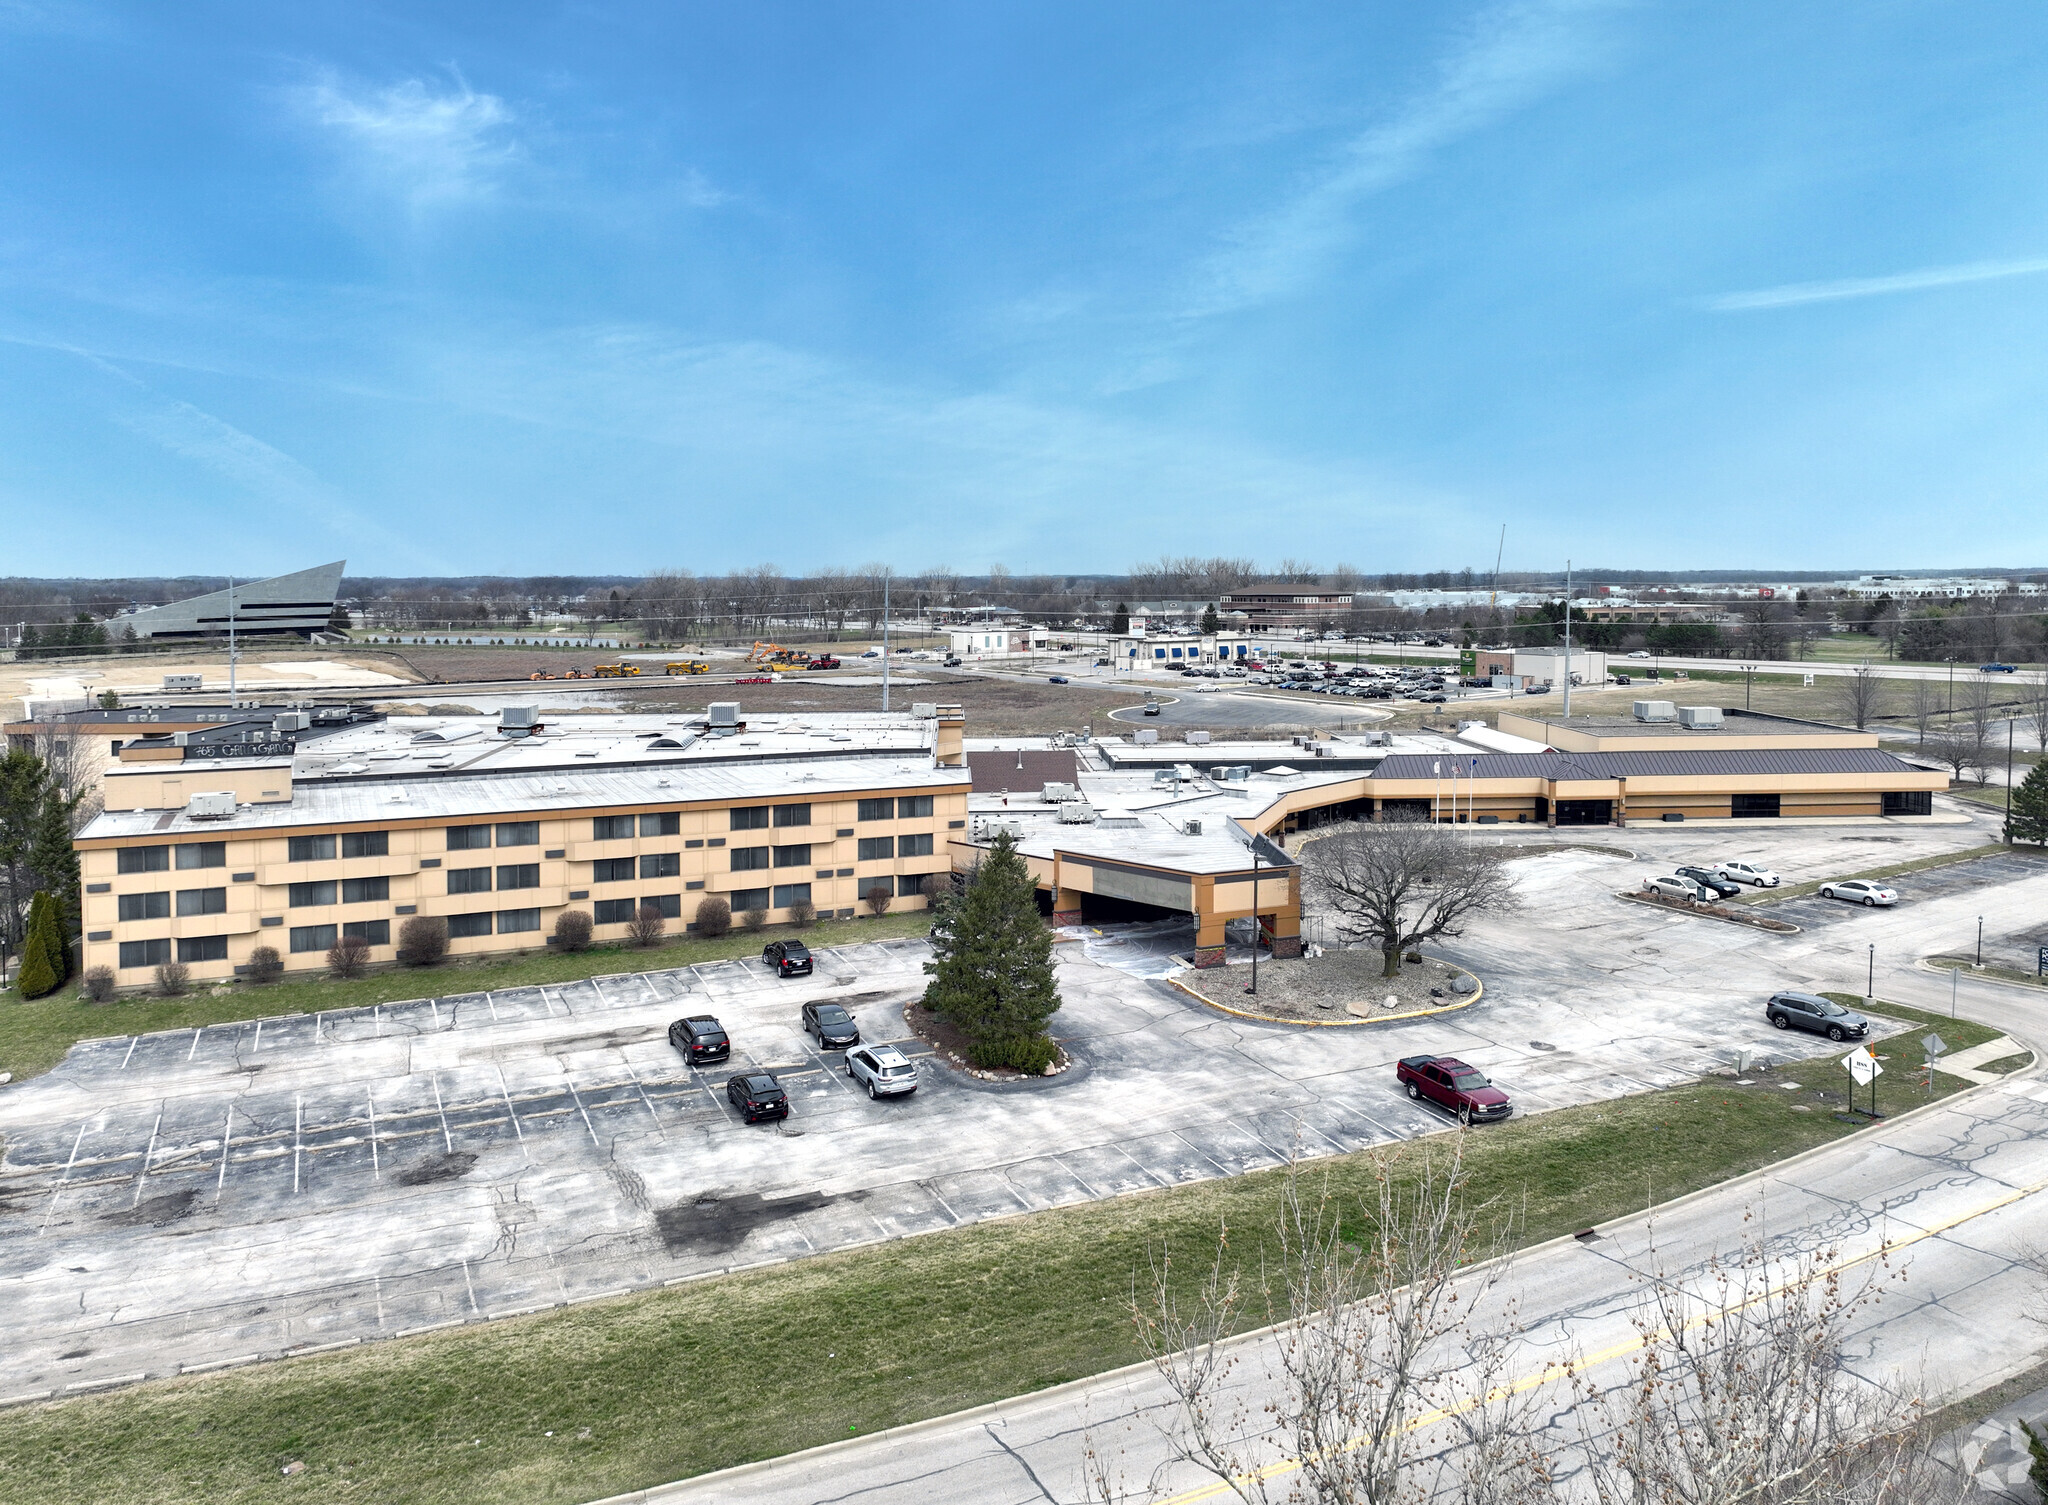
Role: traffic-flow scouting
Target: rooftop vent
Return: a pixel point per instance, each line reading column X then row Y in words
column 1699, row 715
column 447, row 734
column 1115, row 818
column 1656, row 710
column 1076, row 813
column 1191, row 828
column 725, row 713
column 215, row 805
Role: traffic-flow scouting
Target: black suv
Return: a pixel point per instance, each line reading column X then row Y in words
column 757, row 1095
column 833, row 1026
column 1820, row 1015
column 1706, row 877
column 789, row 958
column 700, row 1038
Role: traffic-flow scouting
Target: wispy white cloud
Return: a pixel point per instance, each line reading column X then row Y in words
column 1793, row 293
column 428, row 143
column 1512, row 55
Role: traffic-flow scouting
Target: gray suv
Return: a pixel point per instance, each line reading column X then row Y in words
column 885, row 1069
column 1821, row 1016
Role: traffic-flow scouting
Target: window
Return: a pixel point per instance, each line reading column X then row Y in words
column 144, row 860
column 1909, row 802
column 670, row 905
column 519, row 833
column 313, row 937
column 755, row 819
column 662, row 865
column 670, row 824
column 749, row 859
column 513, row 921
column 203, row 854
column 878, row 809
column 914, row 807
column 744, row 899
column 787, row 894
column 309, row 849
column 792, row 815
column 612, row 870
column 1753, row 806
column 375, row 932
column 468, row 926
column 523, row 875
column 156, row 906
column 468, row 838
column 612, row 911
column 193, row 901
column 914, row 846
column 469, row 880
column 793, row 856
column 911, row 885
column 365, row 890
column 300, row 895
column 203, row 948
column 876, row 848
column 366, row 844
column 145, row 953
column 611, row 828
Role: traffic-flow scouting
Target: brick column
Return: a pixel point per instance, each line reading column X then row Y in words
column 1066, row 906
column 1209, row 945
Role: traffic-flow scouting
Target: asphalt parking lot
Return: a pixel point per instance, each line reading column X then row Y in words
column 205, row 1197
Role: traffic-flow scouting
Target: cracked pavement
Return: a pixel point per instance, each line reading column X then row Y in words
column 188, row 1200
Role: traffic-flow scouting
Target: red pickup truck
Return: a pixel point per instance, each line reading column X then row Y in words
column 1453, row 1086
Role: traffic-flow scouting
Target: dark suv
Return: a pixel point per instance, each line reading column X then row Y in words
column 700, row 1038
column 788, row 958
column 833, row 1026
column 1822, row 1016
column 757, row 1095
column 1722, row 885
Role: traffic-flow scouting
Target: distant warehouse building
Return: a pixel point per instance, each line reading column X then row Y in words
column 497, row 828
column 301, row 604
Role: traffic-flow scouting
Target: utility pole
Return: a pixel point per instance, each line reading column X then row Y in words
column 234, row 655
column 1567, row 637
column 1254, row 988
column 885, row 640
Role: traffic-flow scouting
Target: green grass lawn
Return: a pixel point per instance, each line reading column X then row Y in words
column 34, row 1035
column 593, row 1400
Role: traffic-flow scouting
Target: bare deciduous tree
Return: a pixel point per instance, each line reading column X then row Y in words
column 647, row 926
column 1859, row 694
column 1960, row 745
column 1926, row 701
column 878, row 897
column 1398, row 882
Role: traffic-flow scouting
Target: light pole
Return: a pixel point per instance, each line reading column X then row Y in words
column 1254, row 988
column 1870, row 987
column 1951, row 684
column 1748, row 679
column 1980, row 940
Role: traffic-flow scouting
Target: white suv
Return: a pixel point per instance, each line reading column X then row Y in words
column 885, row 1069
column 1747, row 872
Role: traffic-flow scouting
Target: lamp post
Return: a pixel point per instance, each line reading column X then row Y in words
column 1870, row 987
column 1254, row 988
column 1951, row 684
column 1748, row 679
column 1980, row 940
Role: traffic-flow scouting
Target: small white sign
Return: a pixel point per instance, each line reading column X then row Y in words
column 1809, row 681
column 1862, row 1066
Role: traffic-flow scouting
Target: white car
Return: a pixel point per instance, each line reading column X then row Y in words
column 1639, row 653
column 1675, row 887
column 1748, row 872
column 1859, row 891
column 885, row 1069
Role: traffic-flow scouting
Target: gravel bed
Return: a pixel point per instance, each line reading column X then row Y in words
column 1327, row 988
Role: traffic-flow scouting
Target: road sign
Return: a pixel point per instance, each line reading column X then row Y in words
column 1862, row 1066
column 2041, row 962
column 1935, row 1044
column 1809, row 681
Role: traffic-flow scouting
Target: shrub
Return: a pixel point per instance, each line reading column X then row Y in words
column 42, row 970
column 755, row 918
column 572, row 929
column 647, row 926
column 99, row 983
column 714, row 916
column 802, row 913
column 348, row 957
column 423, row 940
column 265, row 965
column 172, row 978
column 878, row 897
column 1031, row 1054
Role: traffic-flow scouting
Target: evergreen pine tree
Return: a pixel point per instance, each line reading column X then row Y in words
column 38, row 975
column 2029, row 818
column 1209, row 619
column 54, row 939
column 992, row 969
column 54, row 860
column 1121, row 620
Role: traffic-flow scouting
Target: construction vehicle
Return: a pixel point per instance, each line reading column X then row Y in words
column 616, row 671
column 687, row 666
column 775, row 656
column 823, row 661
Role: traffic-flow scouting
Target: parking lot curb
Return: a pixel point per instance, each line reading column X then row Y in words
column 1926, row 964
column 1479, row 992
column 1783, row 927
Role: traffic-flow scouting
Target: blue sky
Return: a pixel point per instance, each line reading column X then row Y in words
column 510, row 288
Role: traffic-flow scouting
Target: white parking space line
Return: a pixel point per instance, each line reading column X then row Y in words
column 58, row 1190
column 143, row 1174
column 132, row 1043
column 227, row 1135
column 511, row 1112
column 298, row 1137
column 376, row 1169
column 446, row 1138
column 643, row 1100
column 578, row 1101
column 195, row 1042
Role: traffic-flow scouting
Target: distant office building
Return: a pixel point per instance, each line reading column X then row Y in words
column 1285, row 605
column 301, row 603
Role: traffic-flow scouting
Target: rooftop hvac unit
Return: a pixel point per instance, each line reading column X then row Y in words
column 1656, row 710
column 925, row 711
column 1077, row 813
column 519, row 715
column 1236, row 773
column 1324, row 750
column 216, row 805
column 986, row 826
column 290, row 721
column 182, row 682
column 725, row 713
column 1699, row 715
column 1191, row 828
column 1055, row 794
column 1145, row 736
column 1195, row 739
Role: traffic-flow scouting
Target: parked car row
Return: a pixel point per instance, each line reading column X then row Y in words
column 758, row 1095
column 1708, row 885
